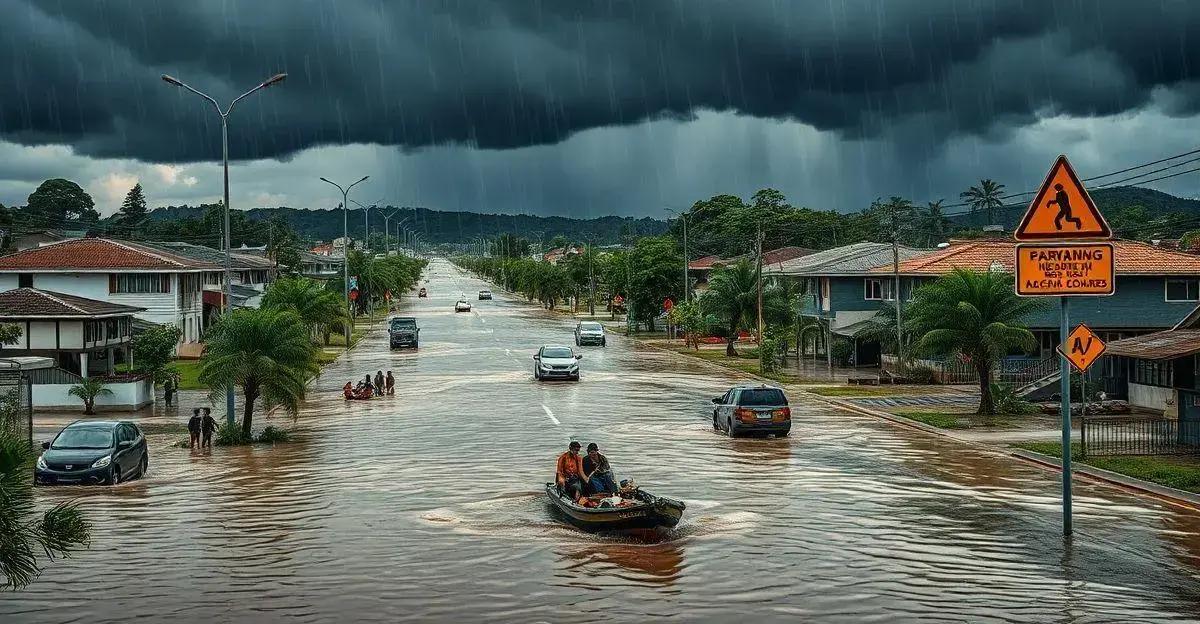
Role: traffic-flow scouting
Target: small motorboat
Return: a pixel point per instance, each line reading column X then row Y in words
column 647, row 512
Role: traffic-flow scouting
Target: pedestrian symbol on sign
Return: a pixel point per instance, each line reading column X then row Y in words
column 1062, row 209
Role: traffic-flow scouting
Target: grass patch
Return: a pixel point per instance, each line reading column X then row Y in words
column 189, row 374
column 1181, row 473
column 941, row 420
column 745, row 361
column 273, row 435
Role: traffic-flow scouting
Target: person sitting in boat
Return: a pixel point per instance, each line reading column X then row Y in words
column 597, row 473
column 348, row 391
column 569, row 472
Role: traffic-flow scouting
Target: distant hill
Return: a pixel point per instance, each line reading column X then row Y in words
column 1113, row 202
column 439, row 226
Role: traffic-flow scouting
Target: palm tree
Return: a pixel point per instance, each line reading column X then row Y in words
column 266, row 352
column 87, row 390
column 973, row 315
column 27, row 530
column 319, row 309
column 732, row 297
column 986, row 197
column 934, row 222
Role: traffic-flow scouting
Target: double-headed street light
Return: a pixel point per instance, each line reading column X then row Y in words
column 346, row 249
column 276, row 79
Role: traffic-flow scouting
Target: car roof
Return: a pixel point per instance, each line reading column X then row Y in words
column 756, row 387
column 98, row 423
column 553, row 346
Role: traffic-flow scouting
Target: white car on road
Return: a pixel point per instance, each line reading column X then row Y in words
column 556, row 362
column 462, row 306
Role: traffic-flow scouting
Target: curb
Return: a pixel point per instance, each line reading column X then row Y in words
column 1170, row 494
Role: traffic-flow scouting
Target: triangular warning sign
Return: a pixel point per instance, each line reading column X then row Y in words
column 1062, row 209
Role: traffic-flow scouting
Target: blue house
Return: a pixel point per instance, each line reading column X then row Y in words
column 843, row 291
column 1155, row 287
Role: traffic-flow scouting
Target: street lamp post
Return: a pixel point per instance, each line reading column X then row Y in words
column 686, row 282
column 228, row 302
column 346, row 248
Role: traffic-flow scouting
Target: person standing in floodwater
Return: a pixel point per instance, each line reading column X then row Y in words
column 207, row 427
column 194, row 429
column 1064, row 209
column 390, row 383
column 379, row 383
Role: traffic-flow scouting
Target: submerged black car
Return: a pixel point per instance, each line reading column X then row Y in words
column 93, row 451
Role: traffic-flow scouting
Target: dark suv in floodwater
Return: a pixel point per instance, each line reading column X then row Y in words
column 403, row 332
column 746, row 409
column 93, row 451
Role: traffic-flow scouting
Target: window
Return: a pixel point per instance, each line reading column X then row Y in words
column 139, row 283
column 110, row 327
column 762, row 397
column 1183, row 290
column 873, row 290
column 879, row 290
column 1154, row 373
column 24, row 280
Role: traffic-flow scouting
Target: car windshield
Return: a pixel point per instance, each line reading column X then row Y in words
column 762, row 397
column 590, row 326
column 557, row 352
column 403, row 323
column 84, row 438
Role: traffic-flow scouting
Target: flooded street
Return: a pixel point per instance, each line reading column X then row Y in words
column 427, row 507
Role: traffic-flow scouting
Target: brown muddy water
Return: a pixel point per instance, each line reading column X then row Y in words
column 427, row 507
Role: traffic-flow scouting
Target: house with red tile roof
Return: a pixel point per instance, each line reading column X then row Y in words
column 167, row 286
column 1155, row 287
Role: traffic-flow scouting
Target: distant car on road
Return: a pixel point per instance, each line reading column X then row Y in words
column 556, row 362
column 403, row 332
column 462, row 306
column 485, row 294
column 750, row 409
column 93, row 451
column 589, row 332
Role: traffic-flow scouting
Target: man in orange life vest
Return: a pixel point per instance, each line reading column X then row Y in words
column 569, row 472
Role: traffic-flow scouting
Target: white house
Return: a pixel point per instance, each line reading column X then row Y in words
column 168, row 287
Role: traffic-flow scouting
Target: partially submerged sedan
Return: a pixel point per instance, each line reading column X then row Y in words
column 556, row 362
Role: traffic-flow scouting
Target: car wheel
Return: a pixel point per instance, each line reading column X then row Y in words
column 604, row 343
column 782, row 434
column 576, row 377
column 537, row 375
column 143, row 467
column 716, row 425
column 729, row 429
column 114, row 475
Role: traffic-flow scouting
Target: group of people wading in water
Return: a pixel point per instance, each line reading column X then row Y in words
column 366, row 389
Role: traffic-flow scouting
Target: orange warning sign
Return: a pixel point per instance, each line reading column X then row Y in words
column 1048, row 269
column 1062, row 209
column 1082, row 347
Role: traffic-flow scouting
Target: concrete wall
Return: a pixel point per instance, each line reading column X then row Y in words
column 1153, row 397
column 126, row 396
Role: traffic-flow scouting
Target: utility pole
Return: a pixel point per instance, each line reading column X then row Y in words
column 759, row 243
column 591, row 282
column 896, row 287
column 346, row 251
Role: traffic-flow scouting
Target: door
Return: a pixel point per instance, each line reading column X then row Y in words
column 126, row 457
column 1189, row 416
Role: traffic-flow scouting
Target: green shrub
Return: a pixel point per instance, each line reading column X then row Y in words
column 1005, row 399
column 231, row 435
column 273, row 435
column 919, row 374
column 768, row 355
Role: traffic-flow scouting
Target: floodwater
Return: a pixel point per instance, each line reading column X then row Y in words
column 426, row 507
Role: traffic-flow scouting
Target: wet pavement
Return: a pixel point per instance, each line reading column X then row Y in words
column 426, row 507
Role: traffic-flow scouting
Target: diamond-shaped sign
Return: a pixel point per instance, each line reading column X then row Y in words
column 1082, row 347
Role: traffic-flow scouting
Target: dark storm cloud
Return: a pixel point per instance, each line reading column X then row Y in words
column 510, row 73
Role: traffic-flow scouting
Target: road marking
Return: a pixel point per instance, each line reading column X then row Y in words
column 550, row 414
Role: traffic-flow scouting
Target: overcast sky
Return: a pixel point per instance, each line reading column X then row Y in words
column 590, row 108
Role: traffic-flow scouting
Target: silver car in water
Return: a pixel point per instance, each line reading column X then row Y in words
column 556, row 362
column 589, row 333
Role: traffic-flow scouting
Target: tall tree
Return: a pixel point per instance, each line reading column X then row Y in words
column 265, row 352
column 133, row 209
column 986, row 198
column 732, row 297
column 57, row 201
column 973, row 315
column 933, row 223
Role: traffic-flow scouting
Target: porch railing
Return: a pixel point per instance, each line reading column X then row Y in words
column 1133, row 435
column 1014, row 371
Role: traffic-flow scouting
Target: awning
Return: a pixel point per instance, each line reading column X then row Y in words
column 853, row 329
column 1163, row 345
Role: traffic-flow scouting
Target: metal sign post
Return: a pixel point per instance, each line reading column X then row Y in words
column 1062, row 210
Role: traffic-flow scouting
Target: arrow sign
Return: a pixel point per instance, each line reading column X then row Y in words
column 1062, row 209
column 1082, row 348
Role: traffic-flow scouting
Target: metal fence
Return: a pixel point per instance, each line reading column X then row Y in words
column 1133, row 435
column 16, row 405
column 1012, row 371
